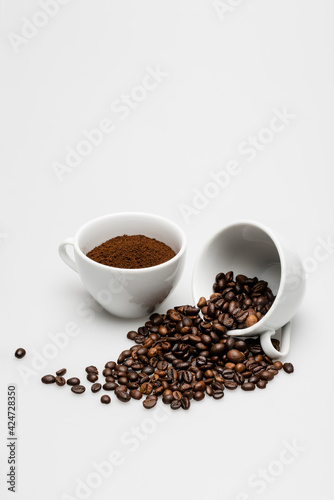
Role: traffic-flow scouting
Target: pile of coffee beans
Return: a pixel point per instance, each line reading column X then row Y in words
column 238, row 303
column 186, row 354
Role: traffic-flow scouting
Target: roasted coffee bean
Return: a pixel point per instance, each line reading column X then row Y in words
column 146, row 388
column 60, row 381
column 20, row 353
column 278, row 365
column 230, row 384
column 265, row 375
column 228, row 374
column 185, row 403
column 175, row 404
column 167, row 399
column 107, row 372
column 288, row 367
column 200, row 386
column 111, row 365
column 240, row 367
column 78, row 389
column 73, row 381
column 135, row 394
column 110, row 386
column 92, row 377
column 132, row 335
column 248, row 386
column 61, row 372
column 150, row 402
column 96, row 387
column 235, row 356
column 48, row 379
column 199, row 395
column 261, row 384
column 123, row 380
column 254, row 379
column 105, row 399
column 122, row 395
column 92, row 369
column 218, row 394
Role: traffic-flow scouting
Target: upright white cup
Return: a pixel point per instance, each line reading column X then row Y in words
column 249, row 248
column 128, row 293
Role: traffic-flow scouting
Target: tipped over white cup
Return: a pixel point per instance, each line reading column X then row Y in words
column 250, row 248
column 128, row 293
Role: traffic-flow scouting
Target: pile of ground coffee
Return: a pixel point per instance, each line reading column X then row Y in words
column 131, row 252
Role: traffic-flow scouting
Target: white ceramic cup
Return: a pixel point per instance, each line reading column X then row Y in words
column 128, row 293
column 249, row 248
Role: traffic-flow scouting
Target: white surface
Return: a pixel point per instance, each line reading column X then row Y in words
column 227, row 80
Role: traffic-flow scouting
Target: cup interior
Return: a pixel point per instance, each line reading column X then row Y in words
column 244, row 248
column 104, row 228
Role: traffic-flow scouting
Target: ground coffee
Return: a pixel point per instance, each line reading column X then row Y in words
column 131, row 252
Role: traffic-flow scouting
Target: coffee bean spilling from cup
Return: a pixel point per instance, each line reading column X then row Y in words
column 186, row 354
column 238, row 303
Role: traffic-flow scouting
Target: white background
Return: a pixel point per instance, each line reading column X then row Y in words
column 226, row 75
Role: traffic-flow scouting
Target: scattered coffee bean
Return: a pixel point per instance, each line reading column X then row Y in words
column 150, row 402
column 92, row 369
column 248, row 386
column 92, row 377
column 73, row 381
column 135, row 394
column 48, row 379
column 105, row 399
column 288, row 367
column 60, row 380
column 61, row 372
column 78, row 389
column 20, row 353
column 96, row 387
column 123, row 396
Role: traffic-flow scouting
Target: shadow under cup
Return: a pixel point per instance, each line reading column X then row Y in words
column 129, row 293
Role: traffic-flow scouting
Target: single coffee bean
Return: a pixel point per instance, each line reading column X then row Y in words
column 265, row 375
column 135, row 394
column 150, row 402
column 175, row 404
column 110, row 386
column 177, row 395
column 48, row 379
column 168, row 399
column 146, row 388
column 235, row 356
column 254, row 379
column 60, row 381
column 111, row 365
column 199, row 395
column 230, row 384
column 61, row 372
column 209, row 390
column 92, row 369
column 92, row 377
column 20, row 353
column 107, row 372
column 218, row 394
column 73, row 381
column 248, row 386
column 288, row 367
column 200, row 386
column 78, row 389
column 278, row 365
column 105, row 399
column 122, row 395
column 261, row 384
column 132, row 335
column 185, row 403
column 96, row 387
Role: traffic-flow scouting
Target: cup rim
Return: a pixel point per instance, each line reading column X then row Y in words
column 141, row 270
column 243, row 332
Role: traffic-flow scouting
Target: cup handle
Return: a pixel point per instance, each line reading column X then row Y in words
column 65, row 255
column 269, row 349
